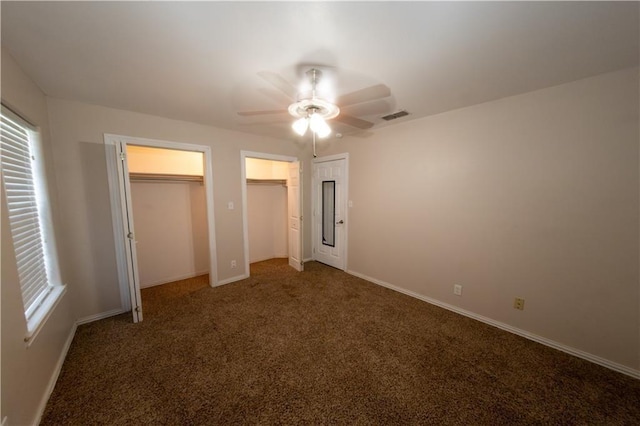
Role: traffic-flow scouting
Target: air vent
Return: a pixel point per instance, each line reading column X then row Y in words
column 395, row 115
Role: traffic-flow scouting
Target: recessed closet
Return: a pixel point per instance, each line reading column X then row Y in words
column 267, row 208
column 169, row 210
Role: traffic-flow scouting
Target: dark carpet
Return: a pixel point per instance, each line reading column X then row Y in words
column 321, row 347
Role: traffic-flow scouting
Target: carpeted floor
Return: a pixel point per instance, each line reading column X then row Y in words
column 321, row 347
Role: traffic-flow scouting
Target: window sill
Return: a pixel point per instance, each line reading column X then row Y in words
column 40, row 316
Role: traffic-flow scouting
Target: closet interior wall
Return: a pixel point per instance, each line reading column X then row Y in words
column 170, row 230
column 267, row 219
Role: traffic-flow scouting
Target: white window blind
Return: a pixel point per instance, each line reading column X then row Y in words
column 25, row 218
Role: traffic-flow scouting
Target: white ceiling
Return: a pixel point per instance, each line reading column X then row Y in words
column 199, row 61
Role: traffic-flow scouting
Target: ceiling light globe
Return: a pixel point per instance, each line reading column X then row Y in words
column 300, row 126
column 323, row 130
column 315, row 122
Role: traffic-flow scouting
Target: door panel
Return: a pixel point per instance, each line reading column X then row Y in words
column 129, row 233
column 329, row 212
column 294, row 193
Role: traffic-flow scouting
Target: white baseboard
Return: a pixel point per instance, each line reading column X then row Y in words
column 308, row 259
column 54, row 376
column 172, row 279
column 268, row 258
column 232, row 279
column 103, row 315
column 539, row 339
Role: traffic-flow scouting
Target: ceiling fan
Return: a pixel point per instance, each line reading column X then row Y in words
column 311, row 111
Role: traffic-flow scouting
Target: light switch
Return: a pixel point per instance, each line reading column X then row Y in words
column 230, row 205
column 350, row 203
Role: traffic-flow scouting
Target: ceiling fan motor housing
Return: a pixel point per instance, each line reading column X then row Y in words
column 306, row 107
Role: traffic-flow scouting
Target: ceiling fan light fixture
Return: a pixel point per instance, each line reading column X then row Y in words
column 300, row 126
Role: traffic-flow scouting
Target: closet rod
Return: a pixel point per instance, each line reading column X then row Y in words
column 157, row 177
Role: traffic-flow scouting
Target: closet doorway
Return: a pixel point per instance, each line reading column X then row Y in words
column 169, row 210
column 272, row 206
column 162, row 209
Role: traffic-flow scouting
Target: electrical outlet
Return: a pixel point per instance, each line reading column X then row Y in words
column 233, row 264
column 457, row 290
column 519, row 303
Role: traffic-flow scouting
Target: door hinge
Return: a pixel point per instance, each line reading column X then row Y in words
column 130, row 235
column 138, row 309
column 123, row 156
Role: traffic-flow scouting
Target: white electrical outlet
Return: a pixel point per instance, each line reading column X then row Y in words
column 518, row 303
column 457, row 290
column 230, row 205
column 233, row 264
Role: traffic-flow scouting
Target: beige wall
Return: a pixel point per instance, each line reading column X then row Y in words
column 27, row 373
column 171, row 231
column 77, row 132
column 532, row 196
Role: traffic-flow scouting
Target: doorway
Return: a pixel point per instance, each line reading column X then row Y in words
column 329, row 191
column 272, row 170
column 169, row 211
column 120, row 187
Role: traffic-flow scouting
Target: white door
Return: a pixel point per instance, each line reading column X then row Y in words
column 329, row 220
column 129, row 233
column 294, row 201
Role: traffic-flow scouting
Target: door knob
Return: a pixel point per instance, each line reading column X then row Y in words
column 340, row 223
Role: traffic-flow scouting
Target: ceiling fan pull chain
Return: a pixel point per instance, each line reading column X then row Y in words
column 314, row 144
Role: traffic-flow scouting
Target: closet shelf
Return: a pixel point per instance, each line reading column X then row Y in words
column 282, row 182
column 156, row 177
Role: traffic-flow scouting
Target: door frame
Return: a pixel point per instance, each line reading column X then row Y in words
column 245, row 221
column 118, row 190
column 314, row 207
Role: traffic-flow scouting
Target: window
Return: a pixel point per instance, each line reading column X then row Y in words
column 29, row 219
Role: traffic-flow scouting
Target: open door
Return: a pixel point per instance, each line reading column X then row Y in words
column 294, row 193
column 128, row 230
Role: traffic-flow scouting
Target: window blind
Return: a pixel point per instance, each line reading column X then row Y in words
column 20, row 186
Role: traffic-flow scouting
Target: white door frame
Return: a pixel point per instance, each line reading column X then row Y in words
column 315, row 207
column 243, row 175
column 118, row 211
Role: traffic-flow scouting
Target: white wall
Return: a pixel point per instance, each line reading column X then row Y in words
column 171, row 245
column 78, row 137
column 533, row 196
column 267, row 221
column 28, row 374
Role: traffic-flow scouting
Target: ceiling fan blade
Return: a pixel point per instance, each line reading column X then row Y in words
column 364, row 95
column 377, row 107
column 264, row 112
column 353, row 121
column 266, row 123
column 275, row 95
column 280, row 83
